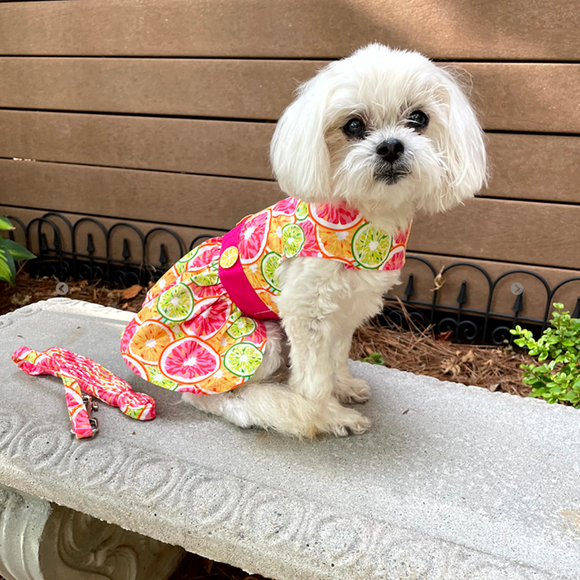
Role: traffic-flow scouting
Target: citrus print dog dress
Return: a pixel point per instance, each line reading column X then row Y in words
column 201, row 328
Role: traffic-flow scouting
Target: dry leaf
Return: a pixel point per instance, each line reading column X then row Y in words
column 449, row 367
column 442, row 336
column 468, row 357
column 208, row 565
column 21, row 299
column 132, row 291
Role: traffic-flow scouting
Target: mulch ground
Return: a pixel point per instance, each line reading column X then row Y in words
column 416, row 350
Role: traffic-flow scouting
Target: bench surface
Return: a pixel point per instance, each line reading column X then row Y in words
column 451, row 482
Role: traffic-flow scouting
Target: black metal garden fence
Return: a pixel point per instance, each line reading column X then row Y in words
column 150, row 259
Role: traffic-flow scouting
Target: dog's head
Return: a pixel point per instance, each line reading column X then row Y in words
column 386, row 131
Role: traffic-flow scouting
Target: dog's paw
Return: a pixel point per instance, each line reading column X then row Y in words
column 352, row 390
column 344, row 421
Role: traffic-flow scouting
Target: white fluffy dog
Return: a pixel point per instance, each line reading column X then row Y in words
column 391, row 134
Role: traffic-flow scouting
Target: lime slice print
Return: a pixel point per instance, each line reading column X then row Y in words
column 243, row 326
column 371, row 246
column 158, row 378
column 293, row 239
column 206, row 278
column 190, row 255
column 269, row 265
column 302, row 211
column 243, row 359
column 176, row 304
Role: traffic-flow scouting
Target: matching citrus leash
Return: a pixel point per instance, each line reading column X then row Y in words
column 78, row 374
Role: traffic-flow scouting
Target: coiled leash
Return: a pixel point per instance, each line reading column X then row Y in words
column 78, row 374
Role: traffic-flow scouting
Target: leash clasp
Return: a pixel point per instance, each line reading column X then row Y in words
column 90, row 406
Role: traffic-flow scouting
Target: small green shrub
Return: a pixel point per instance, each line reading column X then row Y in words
column 375, row 358
column 558, row 378
column 10, row 252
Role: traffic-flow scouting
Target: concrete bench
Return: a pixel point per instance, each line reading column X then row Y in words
column 451, row 482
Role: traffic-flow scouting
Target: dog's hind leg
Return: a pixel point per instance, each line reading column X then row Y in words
column 276, row 406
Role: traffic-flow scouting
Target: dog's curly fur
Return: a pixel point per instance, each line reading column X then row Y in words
column 315, row 159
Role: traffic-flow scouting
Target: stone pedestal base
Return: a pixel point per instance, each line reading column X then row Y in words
column 42, row 541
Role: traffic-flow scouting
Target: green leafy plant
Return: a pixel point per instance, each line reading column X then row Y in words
column 557, row 379
column 10, row 253
column 375, row 358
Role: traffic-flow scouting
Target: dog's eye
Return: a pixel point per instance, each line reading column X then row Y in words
column 418, row 120
column 355, row 128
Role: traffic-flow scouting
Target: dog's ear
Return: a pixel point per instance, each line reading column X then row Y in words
column 462, row 143
column 299, row 155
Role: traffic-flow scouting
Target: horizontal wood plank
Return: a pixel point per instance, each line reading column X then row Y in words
column 193, row 200
column 228, row 148
column 535, row 167
column 201, row 88
column 504, row 30
column 510, row 96
column 523, row 166
column 534, row 299
column 544, row 234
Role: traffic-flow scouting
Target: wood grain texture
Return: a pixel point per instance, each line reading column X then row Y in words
column 510, row 96
column 213, row 202
column 544, row 234
column 203, row 88
column 228, row 148
column 503, row 30
column 536, row 167
column 534, row 299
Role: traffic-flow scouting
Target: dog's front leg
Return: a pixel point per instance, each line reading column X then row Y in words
column 366, row 300
column 311, row 304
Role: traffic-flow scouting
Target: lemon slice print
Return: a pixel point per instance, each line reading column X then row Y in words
column 229, row 257
column 176, row 304
column 293, row 239
column 270, row 263
column 371, row 246
column 243, row 359
column 243, row 326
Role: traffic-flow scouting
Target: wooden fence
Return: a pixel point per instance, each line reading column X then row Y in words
column 161, row 113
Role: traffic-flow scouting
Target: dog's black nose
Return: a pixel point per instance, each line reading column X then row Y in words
column 391, row 149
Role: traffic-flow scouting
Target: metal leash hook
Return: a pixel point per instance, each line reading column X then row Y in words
column 91, row 407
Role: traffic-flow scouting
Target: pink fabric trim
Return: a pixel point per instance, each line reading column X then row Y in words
column 238, row 286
